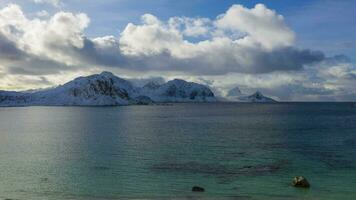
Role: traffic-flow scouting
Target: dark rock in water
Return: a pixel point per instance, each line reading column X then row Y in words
column 197, row 189
column 300, row 181
column 219, row 170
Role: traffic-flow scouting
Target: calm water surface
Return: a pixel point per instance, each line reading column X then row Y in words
column 234, row 151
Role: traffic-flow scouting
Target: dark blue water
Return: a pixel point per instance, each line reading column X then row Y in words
column 234, row 151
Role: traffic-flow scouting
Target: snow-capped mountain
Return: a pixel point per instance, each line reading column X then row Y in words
column 257, row 97
column 108, row 89
column 178, row 90
column 13, row 98
column 98, row 89
column 234, row 92
column 151, row 86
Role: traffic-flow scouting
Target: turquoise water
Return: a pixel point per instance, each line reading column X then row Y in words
column 234, row 151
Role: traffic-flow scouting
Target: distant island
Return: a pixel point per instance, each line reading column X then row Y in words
column 235, row 94
column 106, row 89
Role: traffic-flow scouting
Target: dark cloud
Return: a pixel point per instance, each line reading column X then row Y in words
column 34, row 65
column 143, row 81
column 333, row 60
column 285, row 59
column 92, row 54
column 40, row 81
column 9, row 50
column 153, row 48
column 20, row 62
column 298, row 91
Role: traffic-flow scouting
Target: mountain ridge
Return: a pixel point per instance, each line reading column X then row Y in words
column 106, row 89
column 236, row 95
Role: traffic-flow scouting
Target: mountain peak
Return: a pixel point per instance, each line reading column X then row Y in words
column 178, row 81
column 107, row 74
column 151, row 85
column 234, row 92
column 178, row 90
column 258, row 97
column 107, row 89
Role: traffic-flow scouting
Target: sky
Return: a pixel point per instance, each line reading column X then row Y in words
column 290, row 50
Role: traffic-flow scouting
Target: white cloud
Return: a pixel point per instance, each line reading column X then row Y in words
column 261, row 25
column 150, row 20
column 217, row 54
column 262, row 28
column 55, row 3
column 193, row 27
column 44, row 38
column 160, row 45
column 42, row 13
column 149, row 39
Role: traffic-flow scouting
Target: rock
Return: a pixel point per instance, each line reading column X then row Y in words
column 143, row 100
column 197, row 189
column 257, row 97
column 300, row 181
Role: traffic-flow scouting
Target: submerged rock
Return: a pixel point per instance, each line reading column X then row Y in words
column 300, row 181
column 197, row 189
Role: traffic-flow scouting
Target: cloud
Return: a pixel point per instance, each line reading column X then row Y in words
column 42, row 13
column 8, row 49
column 329, row 80
column 35, row 46
column 192, row 27
column 161, row 45
column 43, row 37
column 250, row 47
column 143, row 81
column 164, row 47
column 261, row 25
column 55, row 3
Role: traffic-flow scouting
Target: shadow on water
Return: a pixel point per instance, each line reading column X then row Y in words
column 224, row 173
column 100, row 168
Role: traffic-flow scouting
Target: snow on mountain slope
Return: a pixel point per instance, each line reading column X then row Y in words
column 98, row 89
column 9, row 98
column 234, row 92
column 107, row 89
column 151, row 86
column 178, row 90
column 257, row 97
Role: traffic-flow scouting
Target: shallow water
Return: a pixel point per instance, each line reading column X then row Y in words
column 234, row 151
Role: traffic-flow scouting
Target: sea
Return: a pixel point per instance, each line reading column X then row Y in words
column 233, row 150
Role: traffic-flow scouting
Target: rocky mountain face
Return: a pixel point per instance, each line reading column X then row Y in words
column 257, row 97
column 235, row 94
column 178, row 90
column 108, row 89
